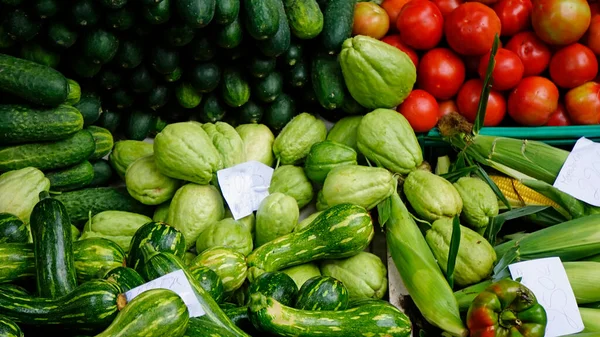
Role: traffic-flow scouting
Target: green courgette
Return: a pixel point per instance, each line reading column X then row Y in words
column 125, row 277
column 230, row 35
column 21, row 26
column 280, row 112
column 162, row 237
column 209, row 281
column 277, row 285
column 322, row 293
column 85, row 13
column 109, row 79
column 8, row 328
column 90, row 107
column 212, row 109
column 121, row 19
column 179, row 34
column 61, row 35
column 267, row 89
column 260, row 66
column 12, row 229
column 164, row 60
column 34, row 52
column 139, row 125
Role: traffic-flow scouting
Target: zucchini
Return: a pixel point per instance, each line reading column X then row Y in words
column 53, row 248
column 47, row 156
column 158, row 97
column 103, row 140
column 276, row 285
column 141, row 81
column 92, row 304
column 205, row 77
column 202, row 48
column 161, row 236
column 121, row 19
column 328, row 82
column 212, row 109
column 179, row 35
column 108, row 79
column 93, row 256
column 21, row 26
column 280, row 42
column 226, row 11
column 164, row 60
column 125, row 277
column 157, row 13
column 196, row 13
column 235, row 90
column 23, row 123
column 8, row 328
column 99, row 199
column 61, row 35
column 33, row 82
column 322, row 293
column 305, row 18
column 202, row 327
column 18, row 262
column 260, row 66
column 267, row 89
column 230, row 35
column 71, row 178
column 209, row 281
column 12, row 229
column 102, row 173
column 109, row 120
column 229, row 265
column 100, row 46
column 250, row 113
column 32, row 51
column 261, row 18
column 280, row 112
column 85, row 13
column 139, row 125
column 338, row 19
column 130, row 54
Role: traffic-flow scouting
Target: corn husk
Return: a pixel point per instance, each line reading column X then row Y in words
column 591, row 320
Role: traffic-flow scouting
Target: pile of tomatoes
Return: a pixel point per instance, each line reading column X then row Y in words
column 546, row 67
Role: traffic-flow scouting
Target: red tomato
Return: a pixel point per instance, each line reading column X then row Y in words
column 560, row 22
column 441, row 73
column 507, row 72
column 370, row 20
column 394, row 40
column 559, row 117
column 533, row 101
column 447, row 6
column 447, row 107
column 468, row 103
column 534, row 53
column 421, row 24
column 594, row 8
column 421, row 110
column 573, row 66
column 592, row 40
column 471, row 27
column 583, row 103
column 515, row 15
column 393, row 8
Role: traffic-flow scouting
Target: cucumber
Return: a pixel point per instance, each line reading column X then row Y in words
column 179, row 35
column 141, row 80
column 212, row 109
column 100, row 46
column 157, row 13
column 48, row 156
column 293, row 54
column 230, row 35
column 8, row 328
column 121, row 19
column 5, row 40
column 71, row 178
column 338, row 19
column 130, row 54
column 235, row 90
column 93, row 256
column 226, row 11
column 280, row 112
column 109, row 120
column 61, row 36
column 99, row 199
column 139, row 125
column 209, row 281
column 33, row 82
column 34, row 52
column 125, row 277
column 202, row 49
column 53, row 248
column 276, row 285
column 260, row 66
column 250, row 113
column 261, row 18
column 74, row 92
column 109, row 79
column 299, row 74
column 280, row 42
column 12, row 229
column 164, row 60
column 187, row 96
column 205, row 77
column 102, row 173
column 121, row 99
column 161, row 236
column 85, row 68
column 327, row 81
column 46, row 8
column 322, row 293
column 103, row 140
column 158, row 97
column 23, row 123
column 85, row 13
column 174, row 76
column 196, row 13
column 305, row 18
column 21, row 26
column 267, row 89
column 114, row 4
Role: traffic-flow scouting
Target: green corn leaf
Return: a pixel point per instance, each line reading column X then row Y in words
column 457, row 174
column 485, row 92
column 483, row 175
column 495, row 224
column 384, row 211
column 453, row 250
column 501, row 268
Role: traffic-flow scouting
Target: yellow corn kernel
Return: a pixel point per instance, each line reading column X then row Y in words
column 519, row 194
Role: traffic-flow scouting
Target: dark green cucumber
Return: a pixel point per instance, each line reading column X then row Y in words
column 121, row 19
column 212, row 109
column 230, row 35
column 205, row 77
column 48, row 156
column 202, row 48
column 104, row 142
column 85, row 68
column 202, row 327
column 71, row 178
column 141, row 80
column 235, row 90
column 23, row 123
column 294, row 54
column 139, row 125
column 158, row 97
column 130, row 54
column 109, row 120
column 99, row 199
column 155, row 312
column 209, row 281
column 280, row 42
column 92, row 304
column 53, row 248
column 164, row 60
column 21, row 26
column 328, row 82
column 187, row 96
column 260, row 66
column 338, row 18
column 277, row 285
column 267, row 89
column 102, row 173
column 109, row 79
column 322, row 293
column 6, row 41
column 31, row 81
column 161, row 236
column 46, row 8
column 157, row 13
column 299, row 74
column 12, row 229
column 100, row 46
column 280, row 112
column 125, row 277
column 174, row 76
column 305, row 18
column 250, row 113
column 121, row 99
column 34, row 52
column 226, row 11
column 114, row 4
column 196, row 13
column 261, row 18
column 93, row 256
column 85, row 13
column 61, row 35
column 8, row 328
column 179, row 34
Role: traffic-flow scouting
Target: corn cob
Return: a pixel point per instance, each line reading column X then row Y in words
column 591, row 320
column 520, row 195
column 420, row 273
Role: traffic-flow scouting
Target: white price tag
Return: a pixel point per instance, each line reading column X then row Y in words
column 178, row 283
column 549, row 283
column 580, row 174
column 244, row 186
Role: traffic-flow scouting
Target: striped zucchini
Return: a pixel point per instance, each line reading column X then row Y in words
column 209, row 281
column 12, row 229
column 53, row 248
column 125, row 277
column 18, row 262
column 372, row 318
column 8, row 287
column 340, row 231
column 202, row 327
column 322, row 293
column 229, row 265
column 162, row 236
column 8, row 328
column 104, row 142
column 153, row 313
column 92, row 304
column 277, row 285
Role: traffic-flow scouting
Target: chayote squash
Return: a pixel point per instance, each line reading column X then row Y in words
column 291, row 180
column 125, row 152
column 293, row 142
column 117, row 226
column 363, row 274
column 258, row 142
column 377, row 74
column 302, row 273
column 345, row 131
column 356, row 184
column 227, row 233
column 307, row 221
column 479, row 202
column 324, row 156
column 227, row 141
column 188, row 258
column 248, row 221
column 431, row 196
column 184, row 151
column 146, row 184
column 161, row 213
column 321, row 204
column 229, row 265
column 193, row 208
column 20, row 190
column 75, row 233
column 277, row 215
column 475, row 259
column 386, row 138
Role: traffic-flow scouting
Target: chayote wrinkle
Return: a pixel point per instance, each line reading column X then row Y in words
column 431, row 196
column 360, row 185
column 227, row 141
column 291, row 180
column 20, row 189
column 293, row 144
column 479, row 202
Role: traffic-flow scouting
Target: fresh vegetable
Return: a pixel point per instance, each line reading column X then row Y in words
column 364, row 275
column 277, row 285
column 328, row 81
column 227, row 141
column 301, row 273
column 431, row 196
column 261, row 17
column 549, row 16
column 322, row 293
column 147, row 184
column 532, row 101
column 338, row 19
column 229, row 265
column 71, row 178
column 344, row 131
column 307, row 221
column 305, row 18
column 475, row 22
column 441, row 73
column 293, row 143
column 20, row 189
column 227, row 233
column 9, row 328
column 479, row 202
column 276, row 216
column 532, row 51
column 325, row 156
column 292, row 181
column 12, row 229
column 125, row 152
column 95, row 255
column 125, row 277
column 258, row 142
column 209, row 281
column 421, row 25
column 581, row 103
column 468, row 99
column 118, row 226
column 421, row 110
column 508, row 70
column 161, row 236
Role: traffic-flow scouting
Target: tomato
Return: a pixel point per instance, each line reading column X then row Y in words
column 468, row 103
column 532, row 51
column 592, row 40
column 583, row 103
column 507, row 72
column 447, row 6
column 594, row 8
column 370, row 20
column 515, row 15
column 394, row 40
column 421, row 24
column 470, row 28
column 533, row 101
column 421, row 110
column 560, row 22
column 573, row 65
column 441, row 73
column 559, row 117
column 447, row 107
column 393, row 8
